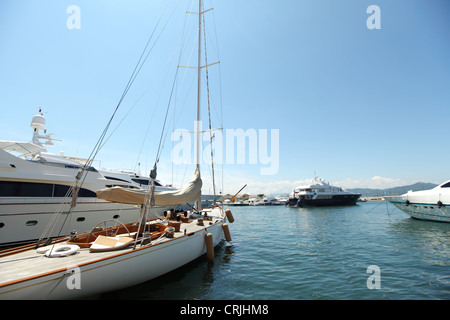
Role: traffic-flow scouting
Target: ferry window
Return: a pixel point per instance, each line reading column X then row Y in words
column 447, row 185
column 81, row 219
column 31, row 223
column 116, row 216
column 2, row 224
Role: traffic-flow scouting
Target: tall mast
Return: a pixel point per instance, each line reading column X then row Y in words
column 199, row 69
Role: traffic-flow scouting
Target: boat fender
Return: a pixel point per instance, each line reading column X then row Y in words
column 226, row 232
column 229, row 215
column 407, row 203
column 209, row 246
column 439, row 203
column 62, row 251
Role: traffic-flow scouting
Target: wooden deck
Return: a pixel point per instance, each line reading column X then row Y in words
column 30, row 263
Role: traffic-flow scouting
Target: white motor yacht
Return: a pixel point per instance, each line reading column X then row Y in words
column 320, row 194
column 33, row 183
column 432, row 204
column 114, row 257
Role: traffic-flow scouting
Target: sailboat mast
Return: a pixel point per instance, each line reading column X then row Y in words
column 199, row 69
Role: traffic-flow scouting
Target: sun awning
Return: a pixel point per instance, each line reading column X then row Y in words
column 24, row 148
column 162, row 198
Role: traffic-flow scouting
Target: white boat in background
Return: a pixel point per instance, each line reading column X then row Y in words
column 122, row 255
column 278, row 201
column 432, row 204
column 236, row 203
column 34, row 184
column 257, row 201
column 320, row 194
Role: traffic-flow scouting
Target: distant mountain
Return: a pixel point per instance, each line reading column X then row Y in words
column 366, row 192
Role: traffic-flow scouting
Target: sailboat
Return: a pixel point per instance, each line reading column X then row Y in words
column 114, row 255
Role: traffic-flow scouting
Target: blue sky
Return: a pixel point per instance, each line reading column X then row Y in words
column 360, row 107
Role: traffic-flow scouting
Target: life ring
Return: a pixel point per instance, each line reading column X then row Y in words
column 62, row 251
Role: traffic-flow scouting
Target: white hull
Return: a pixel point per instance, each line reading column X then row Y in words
column 421, row 210
column 106, row 271
column 24, row 218
column 433, row 204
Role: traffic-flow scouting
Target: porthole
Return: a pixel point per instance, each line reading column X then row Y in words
column 116, row 216
column 31, row 223
column 81, row 219
column 2, row 224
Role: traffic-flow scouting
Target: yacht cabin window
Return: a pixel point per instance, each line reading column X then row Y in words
column 30, row 189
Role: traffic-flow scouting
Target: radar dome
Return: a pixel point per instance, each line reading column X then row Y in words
column 38, row 122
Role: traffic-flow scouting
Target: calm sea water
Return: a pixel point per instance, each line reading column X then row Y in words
column 281, row 253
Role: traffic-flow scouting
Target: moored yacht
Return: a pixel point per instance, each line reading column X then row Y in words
column 320, row 194
column 33, row 183
column 114, row 257
column 432, row 204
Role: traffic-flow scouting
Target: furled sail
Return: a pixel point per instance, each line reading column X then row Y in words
column 190, row 193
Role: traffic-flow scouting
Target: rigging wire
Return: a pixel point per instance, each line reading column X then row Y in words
column 142, row 61
column 82, row 174
column 163, row 131
column 209, row 115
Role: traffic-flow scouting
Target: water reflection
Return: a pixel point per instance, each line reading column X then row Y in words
column 426, row 236
column 192, row 281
